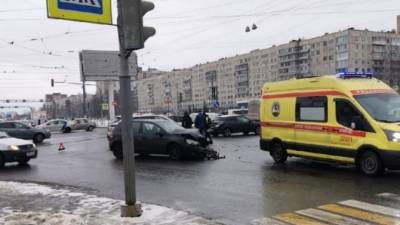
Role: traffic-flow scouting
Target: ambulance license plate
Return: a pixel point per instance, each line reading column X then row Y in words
column 30, row 154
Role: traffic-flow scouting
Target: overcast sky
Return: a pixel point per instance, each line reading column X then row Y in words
column 34, row 49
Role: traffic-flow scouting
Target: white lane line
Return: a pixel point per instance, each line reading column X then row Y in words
column 267, row 221
column 372, row 207
column 389, row 196
column 331, row 217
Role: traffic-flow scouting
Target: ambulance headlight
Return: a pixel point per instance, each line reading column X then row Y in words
column 392, row 135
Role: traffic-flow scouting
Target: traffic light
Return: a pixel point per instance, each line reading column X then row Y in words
column 131, row 14
column 52, row 82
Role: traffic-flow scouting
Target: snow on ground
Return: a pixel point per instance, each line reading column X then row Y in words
column 34, row 204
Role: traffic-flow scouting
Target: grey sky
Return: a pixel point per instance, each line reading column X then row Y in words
column 34, row 49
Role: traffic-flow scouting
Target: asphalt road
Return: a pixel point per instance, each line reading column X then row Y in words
column 236, row 190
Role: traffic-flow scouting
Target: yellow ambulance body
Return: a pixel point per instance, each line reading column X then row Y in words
column 347, row 118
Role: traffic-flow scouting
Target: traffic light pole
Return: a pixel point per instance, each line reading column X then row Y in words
column 131, row 208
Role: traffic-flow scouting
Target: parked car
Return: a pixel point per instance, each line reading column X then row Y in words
column 83, row 124
column 15, row 150
column 227, row 125
column 23, row 131
column 157, row 136
column 58, row 125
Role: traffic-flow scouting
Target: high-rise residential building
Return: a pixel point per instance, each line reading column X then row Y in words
column 239, row 78
column 398, row 24
column 223, row 83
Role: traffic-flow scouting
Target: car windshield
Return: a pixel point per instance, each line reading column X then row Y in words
column 382, row 107
column 169, row 126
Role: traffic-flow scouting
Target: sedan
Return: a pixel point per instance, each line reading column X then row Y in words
column 16, row 150
column 158, row 136
column 23, row 131
column 64, row 126
column 83, row 124
column 227, row 125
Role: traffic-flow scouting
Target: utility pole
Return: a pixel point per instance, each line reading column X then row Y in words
column 83, row 85
column 131, row 208
column 132, row 36
column 84, row 98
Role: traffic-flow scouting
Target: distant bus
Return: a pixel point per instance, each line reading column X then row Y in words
column 254, row 110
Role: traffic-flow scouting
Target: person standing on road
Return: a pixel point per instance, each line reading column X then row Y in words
column 187, row 121
column 208, row 126
column 200, row 123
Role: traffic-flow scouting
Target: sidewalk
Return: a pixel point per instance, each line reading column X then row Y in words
column 27, row 203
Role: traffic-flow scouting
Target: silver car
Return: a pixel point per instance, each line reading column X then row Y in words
column 57, row 125
column 83, row 124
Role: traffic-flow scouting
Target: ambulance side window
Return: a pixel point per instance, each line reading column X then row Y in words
column 312, row 109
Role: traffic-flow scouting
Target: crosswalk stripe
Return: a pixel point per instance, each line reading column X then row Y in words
column 372, row 207
column 389, row 196
column 331, row 217
column 360, row 214
column 268, row 221
column 296, row 219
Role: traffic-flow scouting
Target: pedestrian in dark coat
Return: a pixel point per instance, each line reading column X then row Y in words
column 200, row 122
column 208, row 126
column 187, row 121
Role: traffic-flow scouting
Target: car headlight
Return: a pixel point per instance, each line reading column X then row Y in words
column 13, row 147
column 392, row 135
column 192, row 142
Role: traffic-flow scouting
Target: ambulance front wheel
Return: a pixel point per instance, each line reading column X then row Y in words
column 370, row 164
column 278, row 152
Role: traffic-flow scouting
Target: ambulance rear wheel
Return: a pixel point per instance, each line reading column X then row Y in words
column 370, row 164
column 278, row 152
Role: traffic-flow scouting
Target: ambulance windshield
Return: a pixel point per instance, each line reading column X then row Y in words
column 383, row 107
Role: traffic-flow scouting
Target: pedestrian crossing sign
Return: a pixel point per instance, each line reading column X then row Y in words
column 104, row 107
column 93, row 11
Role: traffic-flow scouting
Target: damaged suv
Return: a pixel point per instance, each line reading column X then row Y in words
column 156, row 136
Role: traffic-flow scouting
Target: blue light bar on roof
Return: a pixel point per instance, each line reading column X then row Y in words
column 345, row 75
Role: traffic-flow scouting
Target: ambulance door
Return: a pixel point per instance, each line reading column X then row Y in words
column 311, row 122
column 351, row 129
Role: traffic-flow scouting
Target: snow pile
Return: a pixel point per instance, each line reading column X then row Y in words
column 34, row 204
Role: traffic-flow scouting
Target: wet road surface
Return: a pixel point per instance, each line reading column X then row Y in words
column 237, row 190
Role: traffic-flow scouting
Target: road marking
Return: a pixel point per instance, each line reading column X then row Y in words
column 389, row 196
column 372, row 207
column 268, row 221
column 360, row 214
column 331, row 217
column 296, row 219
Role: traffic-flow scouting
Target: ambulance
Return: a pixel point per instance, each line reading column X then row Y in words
column 350, row 118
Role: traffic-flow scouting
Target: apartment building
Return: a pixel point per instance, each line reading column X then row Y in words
column 222, row 84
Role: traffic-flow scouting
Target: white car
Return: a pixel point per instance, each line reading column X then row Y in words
column 58, row 125
column 16, row 150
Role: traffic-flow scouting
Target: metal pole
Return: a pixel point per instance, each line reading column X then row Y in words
column 111, row 100
column 84, row 98
column 131, row 208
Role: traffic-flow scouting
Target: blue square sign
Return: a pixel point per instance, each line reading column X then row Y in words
column 85, row 6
